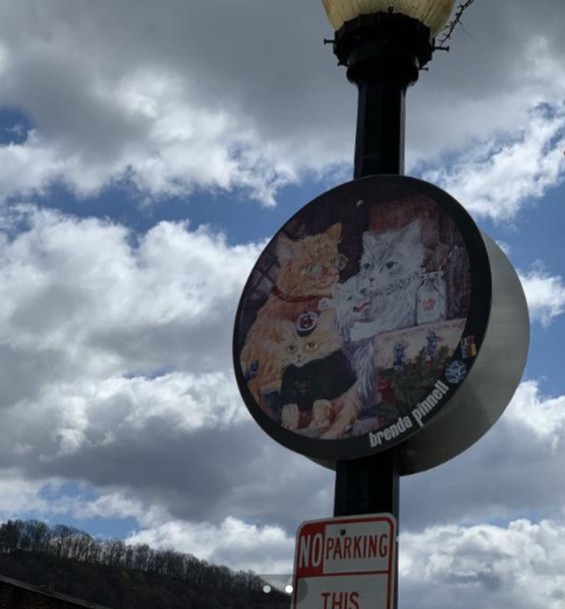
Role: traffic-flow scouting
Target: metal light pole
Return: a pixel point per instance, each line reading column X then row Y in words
column 383, row 53
column 382, row 318
column 383, row 45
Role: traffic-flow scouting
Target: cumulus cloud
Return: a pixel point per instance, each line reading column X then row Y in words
column 545, row 294
column 117, row 373
column 497, row 178
column 508, row 473
column 170, row 97
column 70, row 284
column 263, row 549
column 146, row 107
column 20, row 495
column 544, row 417
column 231, row 514
column 102, row 333
column 97, row 413
column 503, row 498
column 519, row 565
column 489, row 82
column 117, row 369
column 115, row 366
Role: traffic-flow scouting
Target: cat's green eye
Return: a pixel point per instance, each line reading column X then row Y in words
column 312, row 269
column 316, row 269
column 390, row 265
column 292, row 348
column 310, row 345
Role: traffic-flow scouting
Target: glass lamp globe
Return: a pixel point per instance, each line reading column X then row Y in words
column 432, row 13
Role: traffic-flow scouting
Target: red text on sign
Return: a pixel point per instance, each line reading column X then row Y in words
column 314, row 549
column 340, row 600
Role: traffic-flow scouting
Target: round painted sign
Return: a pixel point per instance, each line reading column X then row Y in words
column 362, row 317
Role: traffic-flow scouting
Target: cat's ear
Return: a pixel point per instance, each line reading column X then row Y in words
column 285, row 249
column 412, row 233
column 334, row 232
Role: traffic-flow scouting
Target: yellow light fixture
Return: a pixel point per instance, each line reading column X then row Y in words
column 432, row 13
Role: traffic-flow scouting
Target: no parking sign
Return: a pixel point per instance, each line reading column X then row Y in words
column 345, row 563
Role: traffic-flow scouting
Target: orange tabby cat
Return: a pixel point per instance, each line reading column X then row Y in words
column 318, row 384
column 308, row 269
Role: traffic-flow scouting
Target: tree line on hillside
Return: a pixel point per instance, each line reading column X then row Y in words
column 64, row 542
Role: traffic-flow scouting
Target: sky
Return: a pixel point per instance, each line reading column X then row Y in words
column 149, row 149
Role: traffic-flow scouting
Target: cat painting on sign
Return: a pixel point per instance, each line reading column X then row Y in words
column 353, row 306
column 308, row 269
column 380, row 298
column 391, row 272
column 318, row 383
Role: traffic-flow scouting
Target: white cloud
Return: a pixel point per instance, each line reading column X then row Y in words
column 249, row 515
column 79, row 286
column 116, row 504
column 104, row 335
column 89, row 414
column 24, row 496
column 543, row 417
column 545, row 294
column 52, row 500
column 117, row 371
column 149, row 134
column 116, row 367
column 498, row 177
column 263, row 549
column 115, row 353
column 508, row 474
column 519, row 565
column 170, row 98
column 128, row 107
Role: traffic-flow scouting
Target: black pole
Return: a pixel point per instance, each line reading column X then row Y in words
column 367, row 486
column 383, row 54
column 379, row 141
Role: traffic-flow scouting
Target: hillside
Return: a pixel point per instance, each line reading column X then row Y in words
column 113, row 574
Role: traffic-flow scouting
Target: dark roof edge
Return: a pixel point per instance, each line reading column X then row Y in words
column 44, row 592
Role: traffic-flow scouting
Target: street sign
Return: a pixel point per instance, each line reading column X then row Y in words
column 380, row 317
column 362, row 318
column 345, row 563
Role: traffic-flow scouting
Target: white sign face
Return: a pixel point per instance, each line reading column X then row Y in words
column 345, row 563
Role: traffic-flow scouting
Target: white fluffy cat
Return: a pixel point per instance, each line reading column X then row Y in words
column 390, row 274
column 380, row 298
